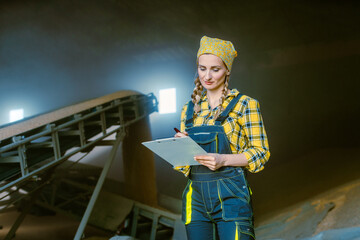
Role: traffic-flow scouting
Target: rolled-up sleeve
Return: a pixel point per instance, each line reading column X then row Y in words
column 257, row 147
column 183, row 169
column 183, row 117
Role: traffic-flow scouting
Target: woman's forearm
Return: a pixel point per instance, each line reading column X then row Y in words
column 215, row 161
column 235, row 160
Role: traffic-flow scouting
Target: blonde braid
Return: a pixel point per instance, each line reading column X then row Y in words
column 222, row 98
column 196, row 96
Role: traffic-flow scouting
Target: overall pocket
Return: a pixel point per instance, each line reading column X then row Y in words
column 244, row 231
column 235, row 199
column 207, row 140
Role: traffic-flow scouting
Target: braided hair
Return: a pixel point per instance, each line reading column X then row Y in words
column 196, row 96
column 223, row 96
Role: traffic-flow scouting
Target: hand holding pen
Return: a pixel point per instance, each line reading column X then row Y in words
column 180, row 134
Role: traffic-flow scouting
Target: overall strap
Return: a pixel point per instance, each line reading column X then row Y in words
column 228, row 109
column 189, row 115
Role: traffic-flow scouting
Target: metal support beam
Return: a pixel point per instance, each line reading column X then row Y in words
column 134, row 221
column 26, row 210
column 23, row 161
column 154, row 226
column 103, row 122
column 121, row 115
column 13, row 159
column 119, row 137
column 55, row 141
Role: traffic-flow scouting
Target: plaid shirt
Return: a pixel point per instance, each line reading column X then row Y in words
column 244, row 128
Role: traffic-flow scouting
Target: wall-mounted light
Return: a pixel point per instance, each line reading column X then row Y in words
column 167, row 101
column 16, row 114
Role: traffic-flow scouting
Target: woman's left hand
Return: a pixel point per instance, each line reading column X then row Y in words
column 213, row 160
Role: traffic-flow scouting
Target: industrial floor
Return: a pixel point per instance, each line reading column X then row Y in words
column 56, row 227
column 338, row 208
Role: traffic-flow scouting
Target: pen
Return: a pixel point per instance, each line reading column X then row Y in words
column 176, row 130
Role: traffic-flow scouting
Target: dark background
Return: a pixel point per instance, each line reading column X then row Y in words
column 300, row 59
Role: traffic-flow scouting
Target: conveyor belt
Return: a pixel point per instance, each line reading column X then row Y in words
column 35, row 144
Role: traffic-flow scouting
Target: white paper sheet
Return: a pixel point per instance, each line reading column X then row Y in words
column 176, row 151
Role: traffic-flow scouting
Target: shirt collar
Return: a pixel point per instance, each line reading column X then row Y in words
column 205, row 104
column 233, row 93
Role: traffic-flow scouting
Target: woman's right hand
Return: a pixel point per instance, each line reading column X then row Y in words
column 181, row 134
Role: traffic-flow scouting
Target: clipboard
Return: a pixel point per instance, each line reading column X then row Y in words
column 176, row 151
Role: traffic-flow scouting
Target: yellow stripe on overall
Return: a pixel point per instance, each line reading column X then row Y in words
column 237, row 231
column 188, row 204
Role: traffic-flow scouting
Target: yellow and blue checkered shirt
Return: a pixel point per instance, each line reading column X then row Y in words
column 244, row 128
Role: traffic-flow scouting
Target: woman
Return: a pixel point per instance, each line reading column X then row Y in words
column 229, row 126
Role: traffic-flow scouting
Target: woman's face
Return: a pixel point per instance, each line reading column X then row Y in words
column 212, row 72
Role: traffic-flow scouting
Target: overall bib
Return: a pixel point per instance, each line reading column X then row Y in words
column 216, row 204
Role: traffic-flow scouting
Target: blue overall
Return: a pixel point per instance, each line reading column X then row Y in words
column 216, row 204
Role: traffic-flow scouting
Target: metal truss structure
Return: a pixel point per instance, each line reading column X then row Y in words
column 28, row 160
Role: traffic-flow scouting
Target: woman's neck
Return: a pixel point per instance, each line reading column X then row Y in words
column 214, row 98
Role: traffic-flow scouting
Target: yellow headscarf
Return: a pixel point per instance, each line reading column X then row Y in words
column 221, row 48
